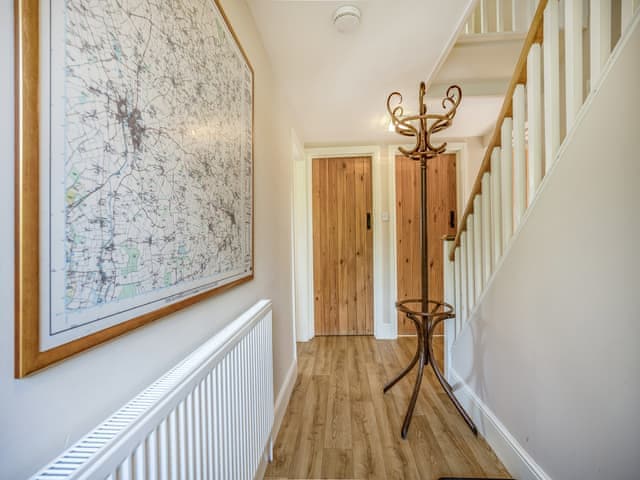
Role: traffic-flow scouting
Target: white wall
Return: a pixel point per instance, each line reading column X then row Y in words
column 43, row 414
column 554, row 347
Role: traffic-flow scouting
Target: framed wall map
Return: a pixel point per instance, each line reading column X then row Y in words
column 134, row 168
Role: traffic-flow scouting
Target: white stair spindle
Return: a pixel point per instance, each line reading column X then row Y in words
column 506, row 161
column 448, row 268
column 477, row 247
column 514, row 15
column 534, row 119
column 471, row 277
column 496, row 206
column 574, row 94
column 499, row 16
column 484, row 16
column 519, row 153
column 486, row 228
column 600, row 34
column 626, row 14
column 458, row 287
column 551, row 53
column 473, row 23
column 464, row 279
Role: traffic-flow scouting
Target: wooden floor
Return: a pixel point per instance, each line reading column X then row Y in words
column 340, row 425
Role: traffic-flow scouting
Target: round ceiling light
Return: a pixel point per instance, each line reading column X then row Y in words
column 346, row 19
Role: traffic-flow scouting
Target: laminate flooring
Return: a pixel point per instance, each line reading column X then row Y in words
column 339, row 424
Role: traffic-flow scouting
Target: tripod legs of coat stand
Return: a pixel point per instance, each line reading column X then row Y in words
column 425, row 326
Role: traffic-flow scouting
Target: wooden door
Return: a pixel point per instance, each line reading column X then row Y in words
column 441, row 205
column 342, row 246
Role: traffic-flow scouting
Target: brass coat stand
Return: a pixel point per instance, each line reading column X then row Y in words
column 431, row 312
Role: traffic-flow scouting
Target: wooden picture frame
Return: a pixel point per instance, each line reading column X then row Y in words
column 29, row 356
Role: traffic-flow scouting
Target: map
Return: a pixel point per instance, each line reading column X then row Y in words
column 150, row 161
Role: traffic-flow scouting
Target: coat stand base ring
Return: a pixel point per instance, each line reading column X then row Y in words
column 425, row 323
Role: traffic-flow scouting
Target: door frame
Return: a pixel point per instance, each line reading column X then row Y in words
column 460, row 150
column 378, row 170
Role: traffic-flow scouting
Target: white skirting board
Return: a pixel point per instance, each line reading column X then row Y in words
column 513, row 455
column 282, row 402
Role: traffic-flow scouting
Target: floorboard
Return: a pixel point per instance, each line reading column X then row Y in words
column 339, row 424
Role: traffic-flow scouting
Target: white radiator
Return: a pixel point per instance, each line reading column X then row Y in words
column 209, row 417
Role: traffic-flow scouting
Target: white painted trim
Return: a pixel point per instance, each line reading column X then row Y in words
column 264, row 463
column 545, row 181
column 460, row 149
column 284, row 395
column 280, row 408
column 393, row 238
column 389, row 330
column 573, row 43
column 298, row 247
column 300, row 250
column 373, row 151
column 510, row 452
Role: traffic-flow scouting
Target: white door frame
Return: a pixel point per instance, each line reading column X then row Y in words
column 299, row 286
column 376, row 177
column 460, row 149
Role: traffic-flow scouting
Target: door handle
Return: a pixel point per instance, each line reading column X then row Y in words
column 368, row 221
column 452, row 219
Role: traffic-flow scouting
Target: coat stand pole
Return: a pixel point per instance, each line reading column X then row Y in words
column 425, row 314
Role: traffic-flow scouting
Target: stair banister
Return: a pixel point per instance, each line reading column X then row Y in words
column 495, row 18
column 529, row 132
column 519, row 78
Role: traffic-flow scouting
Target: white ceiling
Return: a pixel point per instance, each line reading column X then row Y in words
column 337, row 84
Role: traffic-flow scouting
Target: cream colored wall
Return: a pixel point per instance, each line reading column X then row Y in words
column 43, row 414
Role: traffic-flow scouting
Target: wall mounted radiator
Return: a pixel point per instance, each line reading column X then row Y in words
column 209, row 417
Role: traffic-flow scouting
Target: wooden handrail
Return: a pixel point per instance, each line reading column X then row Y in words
column 535, row 35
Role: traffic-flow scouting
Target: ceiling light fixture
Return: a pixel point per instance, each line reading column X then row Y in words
column 346, row 19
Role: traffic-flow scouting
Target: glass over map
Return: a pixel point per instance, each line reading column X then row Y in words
column 149, row 154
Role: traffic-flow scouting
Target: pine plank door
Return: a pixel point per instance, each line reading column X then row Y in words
column 342, row 246
column 441, row 205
